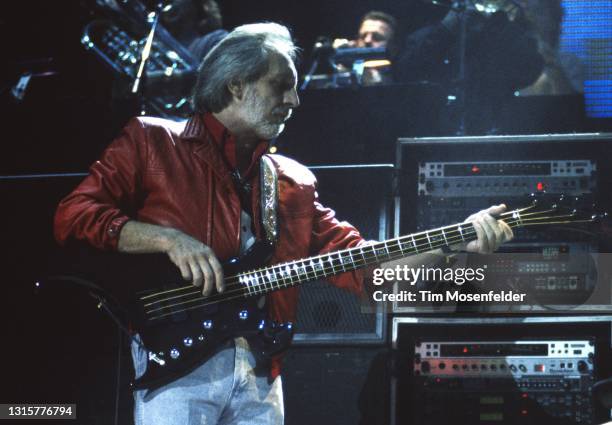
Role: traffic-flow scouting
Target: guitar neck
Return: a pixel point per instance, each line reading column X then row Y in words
column 267, row 279
column 285, row 275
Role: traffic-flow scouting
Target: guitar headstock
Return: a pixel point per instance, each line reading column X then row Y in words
column 551, row 210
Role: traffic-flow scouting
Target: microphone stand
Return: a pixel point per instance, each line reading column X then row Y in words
column 460, row 83
column 141, row 75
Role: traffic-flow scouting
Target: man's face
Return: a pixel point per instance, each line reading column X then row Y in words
column 373, row 33
column 268, row 102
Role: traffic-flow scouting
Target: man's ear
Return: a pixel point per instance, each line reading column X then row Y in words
column 236, row 88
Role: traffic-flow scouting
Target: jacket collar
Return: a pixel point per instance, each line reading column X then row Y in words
column 211, row 133
column 195, row 128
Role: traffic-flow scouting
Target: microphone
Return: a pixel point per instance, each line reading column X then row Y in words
column 323, row 47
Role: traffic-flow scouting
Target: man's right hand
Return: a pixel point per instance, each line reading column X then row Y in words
column 197, row 262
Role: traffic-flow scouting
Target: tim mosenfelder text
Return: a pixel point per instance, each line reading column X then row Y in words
column 458, row 276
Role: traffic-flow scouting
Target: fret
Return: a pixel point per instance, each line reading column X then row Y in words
column 373, row 249
column 266, row 284
column 444, row 236
column 244, row 281
column 342, row 260
column 261, row 288
column 305, row 269
column 316, row 268
column 429, row 240
column 393, row 248
column 338, row 263
column 288, row 274
column 373, row 252
column 249, row 282
column 363, row 257
column 321, row 267
column 301, row 270
column 352, row 262
column 256, row 284
column 435, row 238
column 263, row 283
column 416, row 249
column 461, row 233
column 330, row 259
column 311, row 265
column 269, row 277
column 296, row 270
column 283, row 276
column 276, row 277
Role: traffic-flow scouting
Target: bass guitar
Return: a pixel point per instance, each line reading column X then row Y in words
column 181, row 328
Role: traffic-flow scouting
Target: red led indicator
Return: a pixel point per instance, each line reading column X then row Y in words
column 524, row 412
column 475, row 169
column 540, row 186
column 524, row 395
column 465, row 350
column 539, row 368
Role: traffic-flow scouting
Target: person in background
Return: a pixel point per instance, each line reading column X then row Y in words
column 501, row 57
column 197, row 24
column 563, row 74
column 377, row 30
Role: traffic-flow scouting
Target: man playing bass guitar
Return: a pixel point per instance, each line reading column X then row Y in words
column 192, row 191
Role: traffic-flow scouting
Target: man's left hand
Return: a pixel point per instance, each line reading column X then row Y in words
column 491, row 232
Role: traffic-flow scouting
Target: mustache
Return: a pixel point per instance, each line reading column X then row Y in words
column 285, row 112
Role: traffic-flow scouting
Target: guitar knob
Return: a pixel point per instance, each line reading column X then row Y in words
column 243, row 315
column 187, row 342
column 207, row 324
column 174, row 353
column 201, row 338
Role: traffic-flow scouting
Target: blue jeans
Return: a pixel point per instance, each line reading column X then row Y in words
column 225, row 390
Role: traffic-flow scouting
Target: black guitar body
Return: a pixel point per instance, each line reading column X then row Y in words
column 179, row 327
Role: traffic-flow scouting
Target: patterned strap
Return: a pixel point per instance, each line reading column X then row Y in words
column 269, row 199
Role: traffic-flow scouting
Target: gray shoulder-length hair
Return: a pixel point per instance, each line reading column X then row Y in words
column 243, row 55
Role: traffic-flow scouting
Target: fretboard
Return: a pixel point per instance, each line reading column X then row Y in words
column 285, row 275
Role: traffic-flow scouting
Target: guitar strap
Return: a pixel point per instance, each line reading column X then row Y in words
column 268, row 182
column 269, row 199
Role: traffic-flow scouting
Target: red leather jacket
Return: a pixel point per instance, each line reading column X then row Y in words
column 172, row 174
